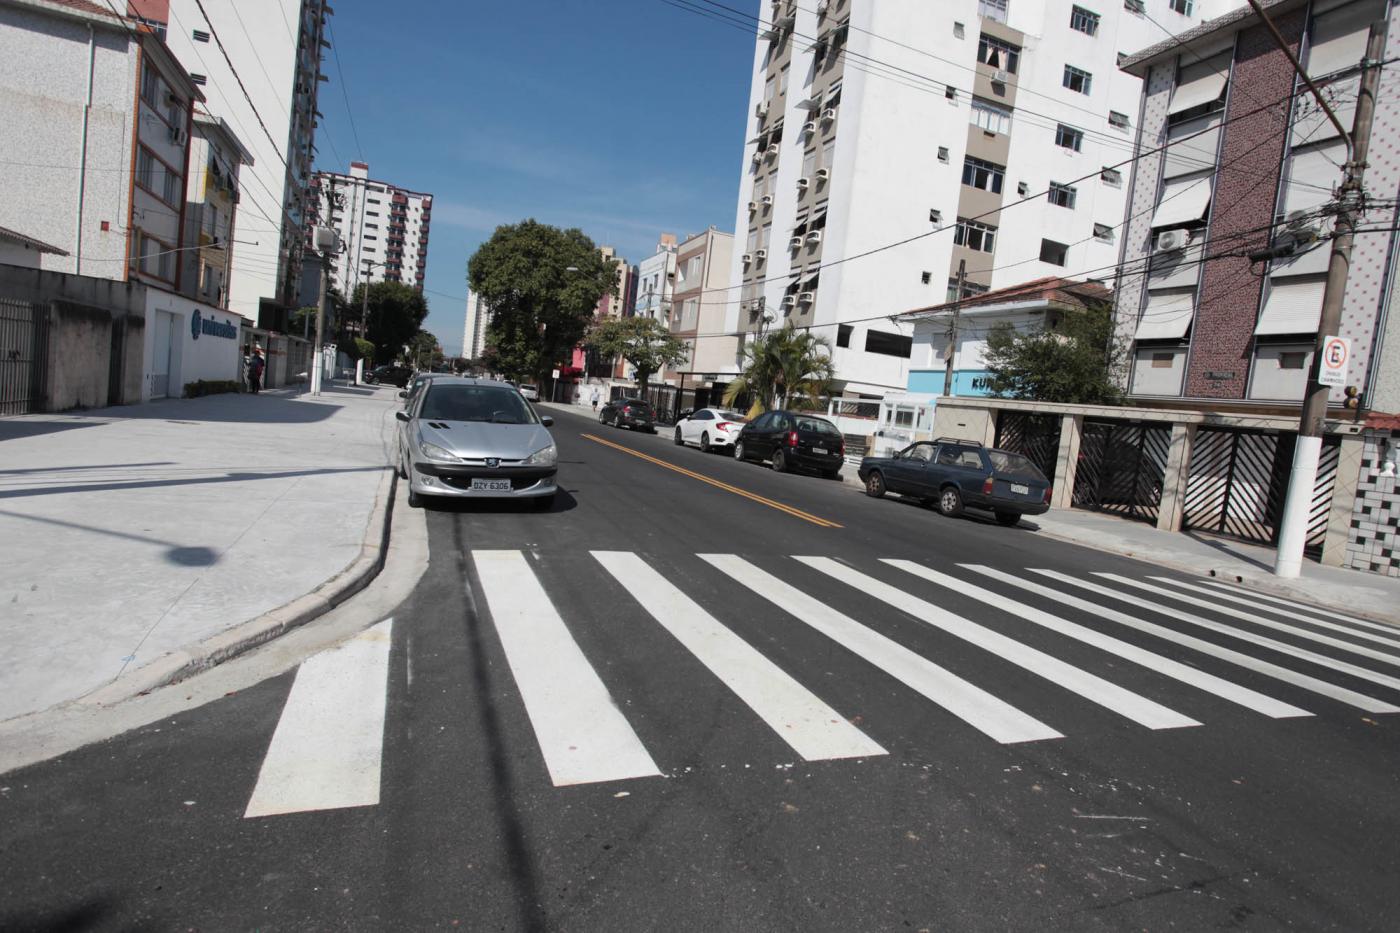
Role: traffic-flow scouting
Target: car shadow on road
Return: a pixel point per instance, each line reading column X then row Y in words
column 564, row 501
column 974, row 515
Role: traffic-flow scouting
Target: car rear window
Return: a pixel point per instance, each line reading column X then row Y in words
column 475, row 403
column 732, row 416
column 637, row 404
column 818, row 426
column 1003, row 461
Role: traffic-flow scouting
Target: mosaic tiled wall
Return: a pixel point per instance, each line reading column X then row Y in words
column 1374, row 544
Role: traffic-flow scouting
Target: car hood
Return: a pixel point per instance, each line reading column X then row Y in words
column 477, row 439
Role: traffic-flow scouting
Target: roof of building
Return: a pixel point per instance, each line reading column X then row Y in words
column 1138, row 62
column 14, row 236
column 1051, row 291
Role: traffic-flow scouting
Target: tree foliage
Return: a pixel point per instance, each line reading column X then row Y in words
column 642, row 341
column 396, row 313
column 540, row 310
column 424, row 351
column 786, row 368
column 1071, row 361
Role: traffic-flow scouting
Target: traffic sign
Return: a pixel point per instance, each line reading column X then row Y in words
column 554, row 374
column 1336, row 354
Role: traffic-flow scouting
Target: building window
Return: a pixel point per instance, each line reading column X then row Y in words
column 943, row 154
column 1068, row 137
column 979, row 173
column 158, row 178
column 1184, row 7
column 200, row 35
column 958, row 31
column 975, row 235
column 1084, row 21
column 1119, row 121
column 990, row 118
column 1053, row 253
column 1111, row 177
column 992, row 9
column 150, row 86
column 969, row 289
column 152, row 257
column 1135, row 6
column 1286, row 360
column 1000, row 55
column 1103, row 232
column 950, row 92
column 843, row 335
column 886, row 344
column 1077, row 79
column 1061, row 195
column 198, row 79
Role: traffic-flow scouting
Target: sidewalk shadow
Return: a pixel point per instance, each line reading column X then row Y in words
column 14, row 430
column 1229, row 551
column 190, row 481
column 272, row 407
column 182, row 555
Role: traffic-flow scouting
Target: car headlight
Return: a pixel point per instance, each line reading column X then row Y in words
column 545, row 456
column 434, row 452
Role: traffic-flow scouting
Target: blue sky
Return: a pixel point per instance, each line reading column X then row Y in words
column 625, row 118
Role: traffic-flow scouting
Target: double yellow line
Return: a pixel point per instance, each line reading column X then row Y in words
column 795, row 513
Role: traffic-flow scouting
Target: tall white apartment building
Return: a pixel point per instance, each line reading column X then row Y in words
column 270, row 49
column 383, row 228
column 474, row 329
column 656, row 281
column 881, row 122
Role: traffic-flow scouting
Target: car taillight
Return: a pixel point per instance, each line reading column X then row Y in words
column 792, row 438
column 627, row 409
column 724, row 425
column 1048, row 491
column 987, row 486
column 841, row 449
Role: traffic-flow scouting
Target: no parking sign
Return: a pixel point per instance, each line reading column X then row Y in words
column 1336, row 354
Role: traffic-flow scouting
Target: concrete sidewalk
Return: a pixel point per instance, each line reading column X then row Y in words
column 131, row 535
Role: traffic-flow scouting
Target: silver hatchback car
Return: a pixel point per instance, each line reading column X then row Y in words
column 475, row 438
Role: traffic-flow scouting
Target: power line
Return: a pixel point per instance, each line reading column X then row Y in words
column 345, row 91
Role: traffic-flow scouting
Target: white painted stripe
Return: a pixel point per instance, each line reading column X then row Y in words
column 1301, row 610
column 1283, row 647
column 813, row 729
column 975, row 706
column 582, row 734
column 1250, row 699
column 1255, row 619
column 1320, row 623
column 1181, row 639
column 1139, row 709
column 325, row 753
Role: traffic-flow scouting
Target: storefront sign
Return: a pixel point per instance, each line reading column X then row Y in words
column 199, row 324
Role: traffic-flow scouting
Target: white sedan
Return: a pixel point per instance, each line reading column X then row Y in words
column 710, row 428
column 531, row 393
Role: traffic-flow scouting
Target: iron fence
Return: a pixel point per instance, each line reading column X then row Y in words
column 24, row 353
column 1034, row 436
column 1122, row 468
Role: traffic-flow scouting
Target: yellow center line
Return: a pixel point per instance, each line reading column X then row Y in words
column 795, row 513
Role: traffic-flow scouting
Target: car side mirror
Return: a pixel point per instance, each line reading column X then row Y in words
column 401, row 415
column 547, row 421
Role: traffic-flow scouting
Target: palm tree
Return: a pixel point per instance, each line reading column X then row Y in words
column 782, row 367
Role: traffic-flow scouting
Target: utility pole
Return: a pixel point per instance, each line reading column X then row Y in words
column 953, row 329
column 327, row 241
column 1293, row 529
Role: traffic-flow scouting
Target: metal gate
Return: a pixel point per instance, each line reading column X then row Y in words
column 1239, row 479
column 1036, row 437
column 1122, row 467
column 24, row 356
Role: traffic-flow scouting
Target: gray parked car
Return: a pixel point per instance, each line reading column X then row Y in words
column 476, row 439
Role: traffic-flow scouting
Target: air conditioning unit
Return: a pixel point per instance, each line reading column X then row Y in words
column 809, row 128
column 828, row 114
column 803, row 184
column 795, row 243
column 753, row 206
column 789, row 301
column 746, row 258
column 758, row 157
column 1169, row 240
column 935, row 216
column 761, row 109
column 767, row 200
column 760, row 254
column 1000, row 76
column 823, row 174
column 814, row 237
column 771, row 151
column 805, row 298
column 179, row 136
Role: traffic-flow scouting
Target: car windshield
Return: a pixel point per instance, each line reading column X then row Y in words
column 818, row 426
column 527, row 388
column 475, row 403
column 1014, row 465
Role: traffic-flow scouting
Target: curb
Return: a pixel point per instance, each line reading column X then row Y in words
column 244, row 637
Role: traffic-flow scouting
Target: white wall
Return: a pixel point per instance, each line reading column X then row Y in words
column 208, row 357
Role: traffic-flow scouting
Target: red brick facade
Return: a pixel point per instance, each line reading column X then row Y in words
column 1242, row 208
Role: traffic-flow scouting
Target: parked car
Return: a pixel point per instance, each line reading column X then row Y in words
column 530, row 392
column 710, row 428
column 395, row 374
column 792, row 439
column 418, row 382
column 634, row 413
column 475, row 438
column 954, row 474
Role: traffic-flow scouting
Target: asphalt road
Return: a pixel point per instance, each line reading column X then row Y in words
column 584, row 720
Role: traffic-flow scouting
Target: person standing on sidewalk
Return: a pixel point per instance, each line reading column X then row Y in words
column 256, row 365
column 595, row 398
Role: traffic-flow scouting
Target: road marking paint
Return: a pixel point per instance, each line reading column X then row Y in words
column 1393, row 641
column 772, row 504
column 1138, row 708
column 1262, row 640
column 325, row 753
column 813, row 729
column 975, row 706
column 582, row 734
column 1250, row 699
column 1321, row 687
column 1257, row 620
column 1292, row 604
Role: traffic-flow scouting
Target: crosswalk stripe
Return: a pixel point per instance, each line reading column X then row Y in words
column 325, row 753
column 582, row 734
column 1250, row 699
column 1320, row 623
column 1297, row 610
column 1321, row 687
column 813, row 729
column 1263, row 640
column 975, row 706
column 1277, row 626
column 1138, row 708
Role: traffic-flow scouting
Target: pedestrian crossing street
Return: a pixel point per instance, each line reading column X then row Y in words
column 327, row 747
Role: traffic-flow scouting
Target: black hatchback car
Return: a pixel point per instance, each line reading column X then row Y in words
column 634, row 413
column 793, row 439
column 390, row 374
column 951, row 474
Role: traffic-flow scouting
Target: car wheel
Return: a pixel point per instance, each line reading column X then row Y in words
column 602, row 417
column 875, row 484
column 544, row 503
column 780, row 464
column 739, row 451
column 950, row 501
column 415, row 501
column 705, row 442
column 1008, row 518
column 403, row 465
column 678, row 441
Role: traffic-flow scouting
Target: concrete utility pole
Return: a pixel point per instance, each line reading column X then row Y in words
column 1293, row 528
column 327, row 242
column 953, row 329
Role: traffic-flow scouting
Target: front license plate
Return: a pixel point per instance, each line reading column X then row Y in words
column 1020, row 489
column 491, row 485
column 819, row 450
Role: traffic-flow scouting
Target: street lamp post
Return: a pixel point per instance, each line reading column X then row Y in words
column 364, row 311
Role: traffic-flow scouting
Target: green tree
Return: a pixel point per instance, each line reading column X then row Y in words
column 424, row 351
column 642, row 341
column 365, row 350
column 786, row 368
column 541, row 284
column 1070, row 360
column 396, row 313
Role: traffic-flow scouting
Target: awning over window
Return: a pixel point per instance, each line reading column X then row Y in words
column 1294, row 306
column 1192, row 146
column 1168, row 314
column 1184, row 200
column 1312, row 173
column 1201, row 83
column 1339, row 37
